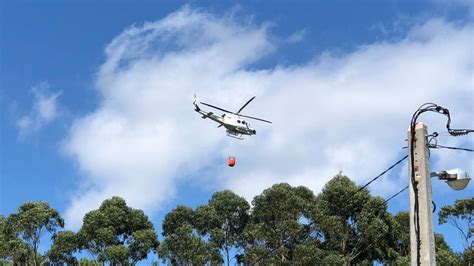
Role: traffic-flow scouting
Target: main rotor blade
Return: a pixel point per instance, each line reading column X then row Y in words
column 218, row 108
column 251, row 117
column 251, row 99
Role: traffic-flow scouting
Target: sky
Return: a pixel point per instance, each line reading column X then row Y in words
column 96, row 98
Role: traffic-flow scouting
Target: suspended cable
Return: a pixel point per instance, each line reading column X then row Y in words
column 437, row 146
column 381, row 174
column 396, row 194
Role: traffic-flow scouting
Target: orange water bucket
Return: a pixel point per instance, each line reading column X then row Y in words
column 231, row 161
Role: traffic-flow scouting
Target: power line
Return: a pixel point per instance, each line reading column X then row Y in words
column 381, row 174
column 396, row 194
column 437, row 146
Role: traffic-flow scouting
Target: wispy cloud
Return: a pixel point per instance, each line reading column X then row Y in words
column 348, row 112
column 297, row 36
column 44, row 109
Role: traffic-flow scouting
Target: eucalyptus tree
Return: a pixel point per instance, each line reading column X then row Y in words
column 32, row 221
column 4, row 238
column 402, row 219
column 276, row 231
column 444, row 254
column 353, row 223
column 12, row 249
column 461, row 216
column 468, row 256
column 223, row 220
column 65, row 243
column 88, row 262
column 117, row 233
column 182, row 244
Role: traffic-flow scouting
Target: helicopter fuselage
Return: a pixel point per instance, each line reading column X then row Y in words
column 233, row 122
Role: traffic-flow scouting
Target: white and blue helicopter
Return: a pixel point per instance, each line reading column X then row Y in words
column 233, row 122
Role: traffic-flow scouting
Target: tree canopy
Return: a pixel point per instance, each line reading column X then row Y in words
column 223, row 220
column 117, row 233
column 461, row 216
column 32, row 221
column 354, row 224
column 275, row 230
column 285, row 225
column 182, row 244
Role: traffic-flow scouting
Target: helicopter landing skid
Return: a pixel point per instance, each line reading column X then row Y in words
column 234, row 135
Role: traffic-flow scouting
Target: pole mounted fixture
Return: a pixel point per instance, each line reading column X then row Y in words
column 422, row 251
column 457, row 179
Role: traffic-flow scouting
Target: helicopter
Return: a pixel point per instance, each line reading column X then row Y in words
column 233, row 122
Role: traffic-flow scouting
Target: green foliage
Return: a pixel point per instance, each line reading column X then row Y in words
column 403, row 232
column 444, row 254
column 114, row 228
column 286, row 226
column 468, row 256
column 64, row 245
column 5, row 263
column 275, row 231
column 12, row 249
column 312, row 253
column 31, row 222
column 143, row 241
column 177, row 218
column 3, row 237
column 182, row 245
column 115, row 255
column 87, row 262
column 461, row 216
column 224, row 220
column 355, row 226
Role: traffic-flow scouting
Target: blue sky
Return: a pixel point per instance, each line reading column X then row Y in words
column 95, row 97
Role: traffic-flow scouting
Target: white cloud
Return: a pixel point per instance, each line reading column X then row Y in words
column 346, row 113
column 44, row 109
column 297, row 36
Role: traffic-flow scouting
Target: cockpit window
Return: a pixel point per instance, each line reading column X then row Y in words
column 238, row 121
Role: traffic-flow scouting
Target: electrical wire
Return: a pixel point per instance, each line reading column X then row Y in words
column 381, row 174
column 403, row 189
column 437, row 146
column 396, row 194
